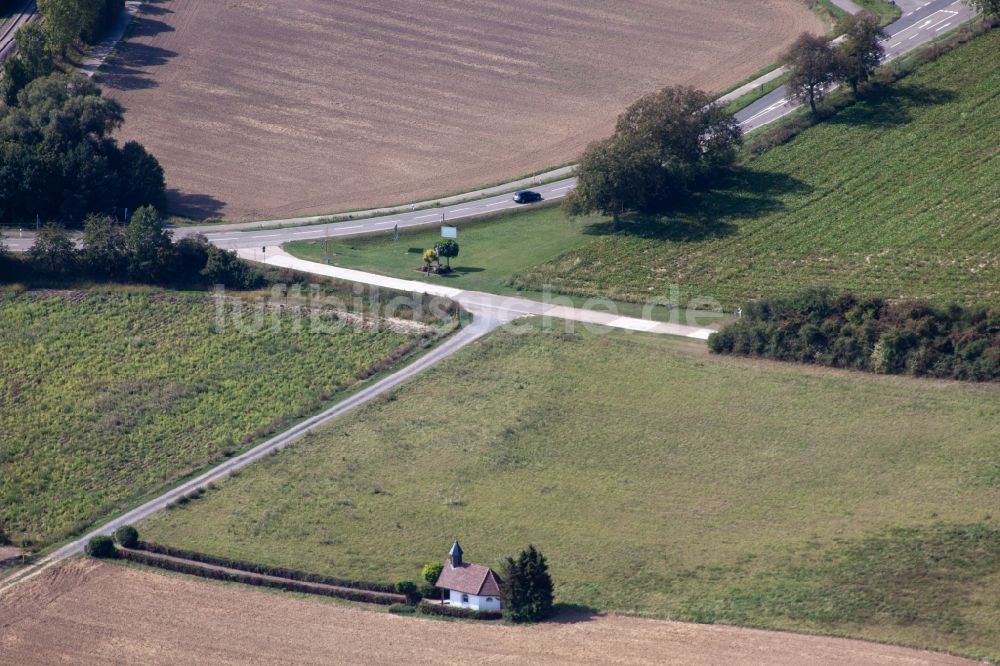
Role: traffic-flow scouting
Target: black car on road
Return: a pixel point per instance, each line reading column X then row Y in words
column 527, row 196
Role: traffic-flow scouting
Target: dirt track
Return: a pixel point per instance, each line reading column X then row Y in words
column 86, row 612
column 282, row 107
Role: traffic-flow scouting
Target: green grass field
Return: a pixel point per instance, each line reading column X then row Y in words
column 659, row 481
column 492, row 250
column 108, row 396
column 898, row 195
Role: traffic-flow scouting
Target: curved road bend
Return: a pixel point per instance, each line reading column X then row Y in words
column 915, row 28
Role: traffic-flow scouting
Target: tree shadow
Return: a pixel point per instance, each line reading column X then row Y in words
column 197, row 206
column 713, row 213
column 153, row 7
column 468, row 269
column 890, row 105
column 126, row 69
column 573, row 614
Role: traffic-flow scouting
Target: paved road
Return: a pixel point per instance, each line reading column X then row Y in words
column 919, row 25
column 915, row 28
column 505, row 308
column 483, row 323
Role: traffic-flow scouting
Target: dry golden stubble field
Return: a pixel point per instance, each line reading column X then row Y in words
column 271, row 108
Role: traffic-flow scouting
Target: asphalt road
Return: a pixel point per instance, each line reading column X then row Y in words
column 919, row 25
column 915, row 28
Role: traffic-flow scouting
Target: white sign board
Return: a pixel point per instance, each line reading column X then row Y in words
column 449, row 232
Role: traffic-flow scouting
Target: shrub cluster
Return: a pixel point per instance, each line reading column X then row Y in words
column 264, row 569
column 126, row 536
column 59, row 160
column 101, row 547
column 455, row 611
column 247, row 578
column 141, row 251
column 872, row 334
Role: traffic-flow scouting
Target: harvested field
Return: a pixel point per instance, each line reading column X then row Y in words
column 87, row 612
column 269, row 108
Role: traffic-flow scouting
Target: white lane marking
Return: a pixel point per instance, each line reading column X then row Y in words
column 228, row 238
column 776, row 105
column 496, row 203
column 268, row 236
column 458, row 210
column 560, row 189
column 943, row 27
column 424, row 217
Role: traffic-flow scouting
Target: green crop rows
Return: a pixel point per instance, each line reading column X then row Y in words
column 106, row 397
column 898, row 195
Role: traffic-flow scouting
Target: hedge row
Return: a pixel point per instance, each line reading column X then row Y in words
column 194, row 569
column 454, row 611
column 264, row 569
column 872, row 334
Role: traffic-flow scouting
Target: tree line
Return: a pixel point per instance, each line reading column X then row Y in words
column 142, row 251
column 872, row 334
column 678, row 141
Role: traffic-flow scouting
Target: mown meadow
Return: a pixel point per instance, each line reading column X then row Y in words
column 659, row 480
column 107, row 396
column 898, row 195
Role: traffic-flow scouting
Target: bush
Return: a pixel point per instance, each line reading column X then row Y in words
column 402, row 609
column 455, row 611
column 409, row 589
column 101, row 547
column 432, row 571
column 126, row 536
column 876, row 335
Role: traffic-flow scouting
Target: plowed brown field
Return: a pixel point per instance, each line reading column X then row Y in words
column 265, row 108
column 85, row 613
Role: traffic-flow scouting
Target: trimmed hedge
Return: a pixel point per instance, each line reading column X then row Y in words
column 264, row 569
column 454, row 611
column 872, row 334
column 127, row 536
column 248, row 578
column 101, row 547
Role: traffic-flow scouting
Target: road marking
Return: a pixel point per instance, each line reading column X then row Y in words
column 560, row 189
column 496, row 203
column 458, row 210
column 268, row 236
column 943, row 27
column 356, row 226
column 424, row 217
column 229, row 238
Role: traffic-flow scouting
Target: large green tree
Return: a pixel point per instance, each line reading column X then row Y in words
column 814, row 66
column 150, row 249
column 104, row 251
column 665, row 145
column 527, row 592
column 861, row 52
column 54, row 251
column 31, row 61
column 59, row 161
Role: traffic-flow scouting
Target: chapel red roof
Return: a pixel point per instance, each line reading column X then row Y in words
column 470, row 579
